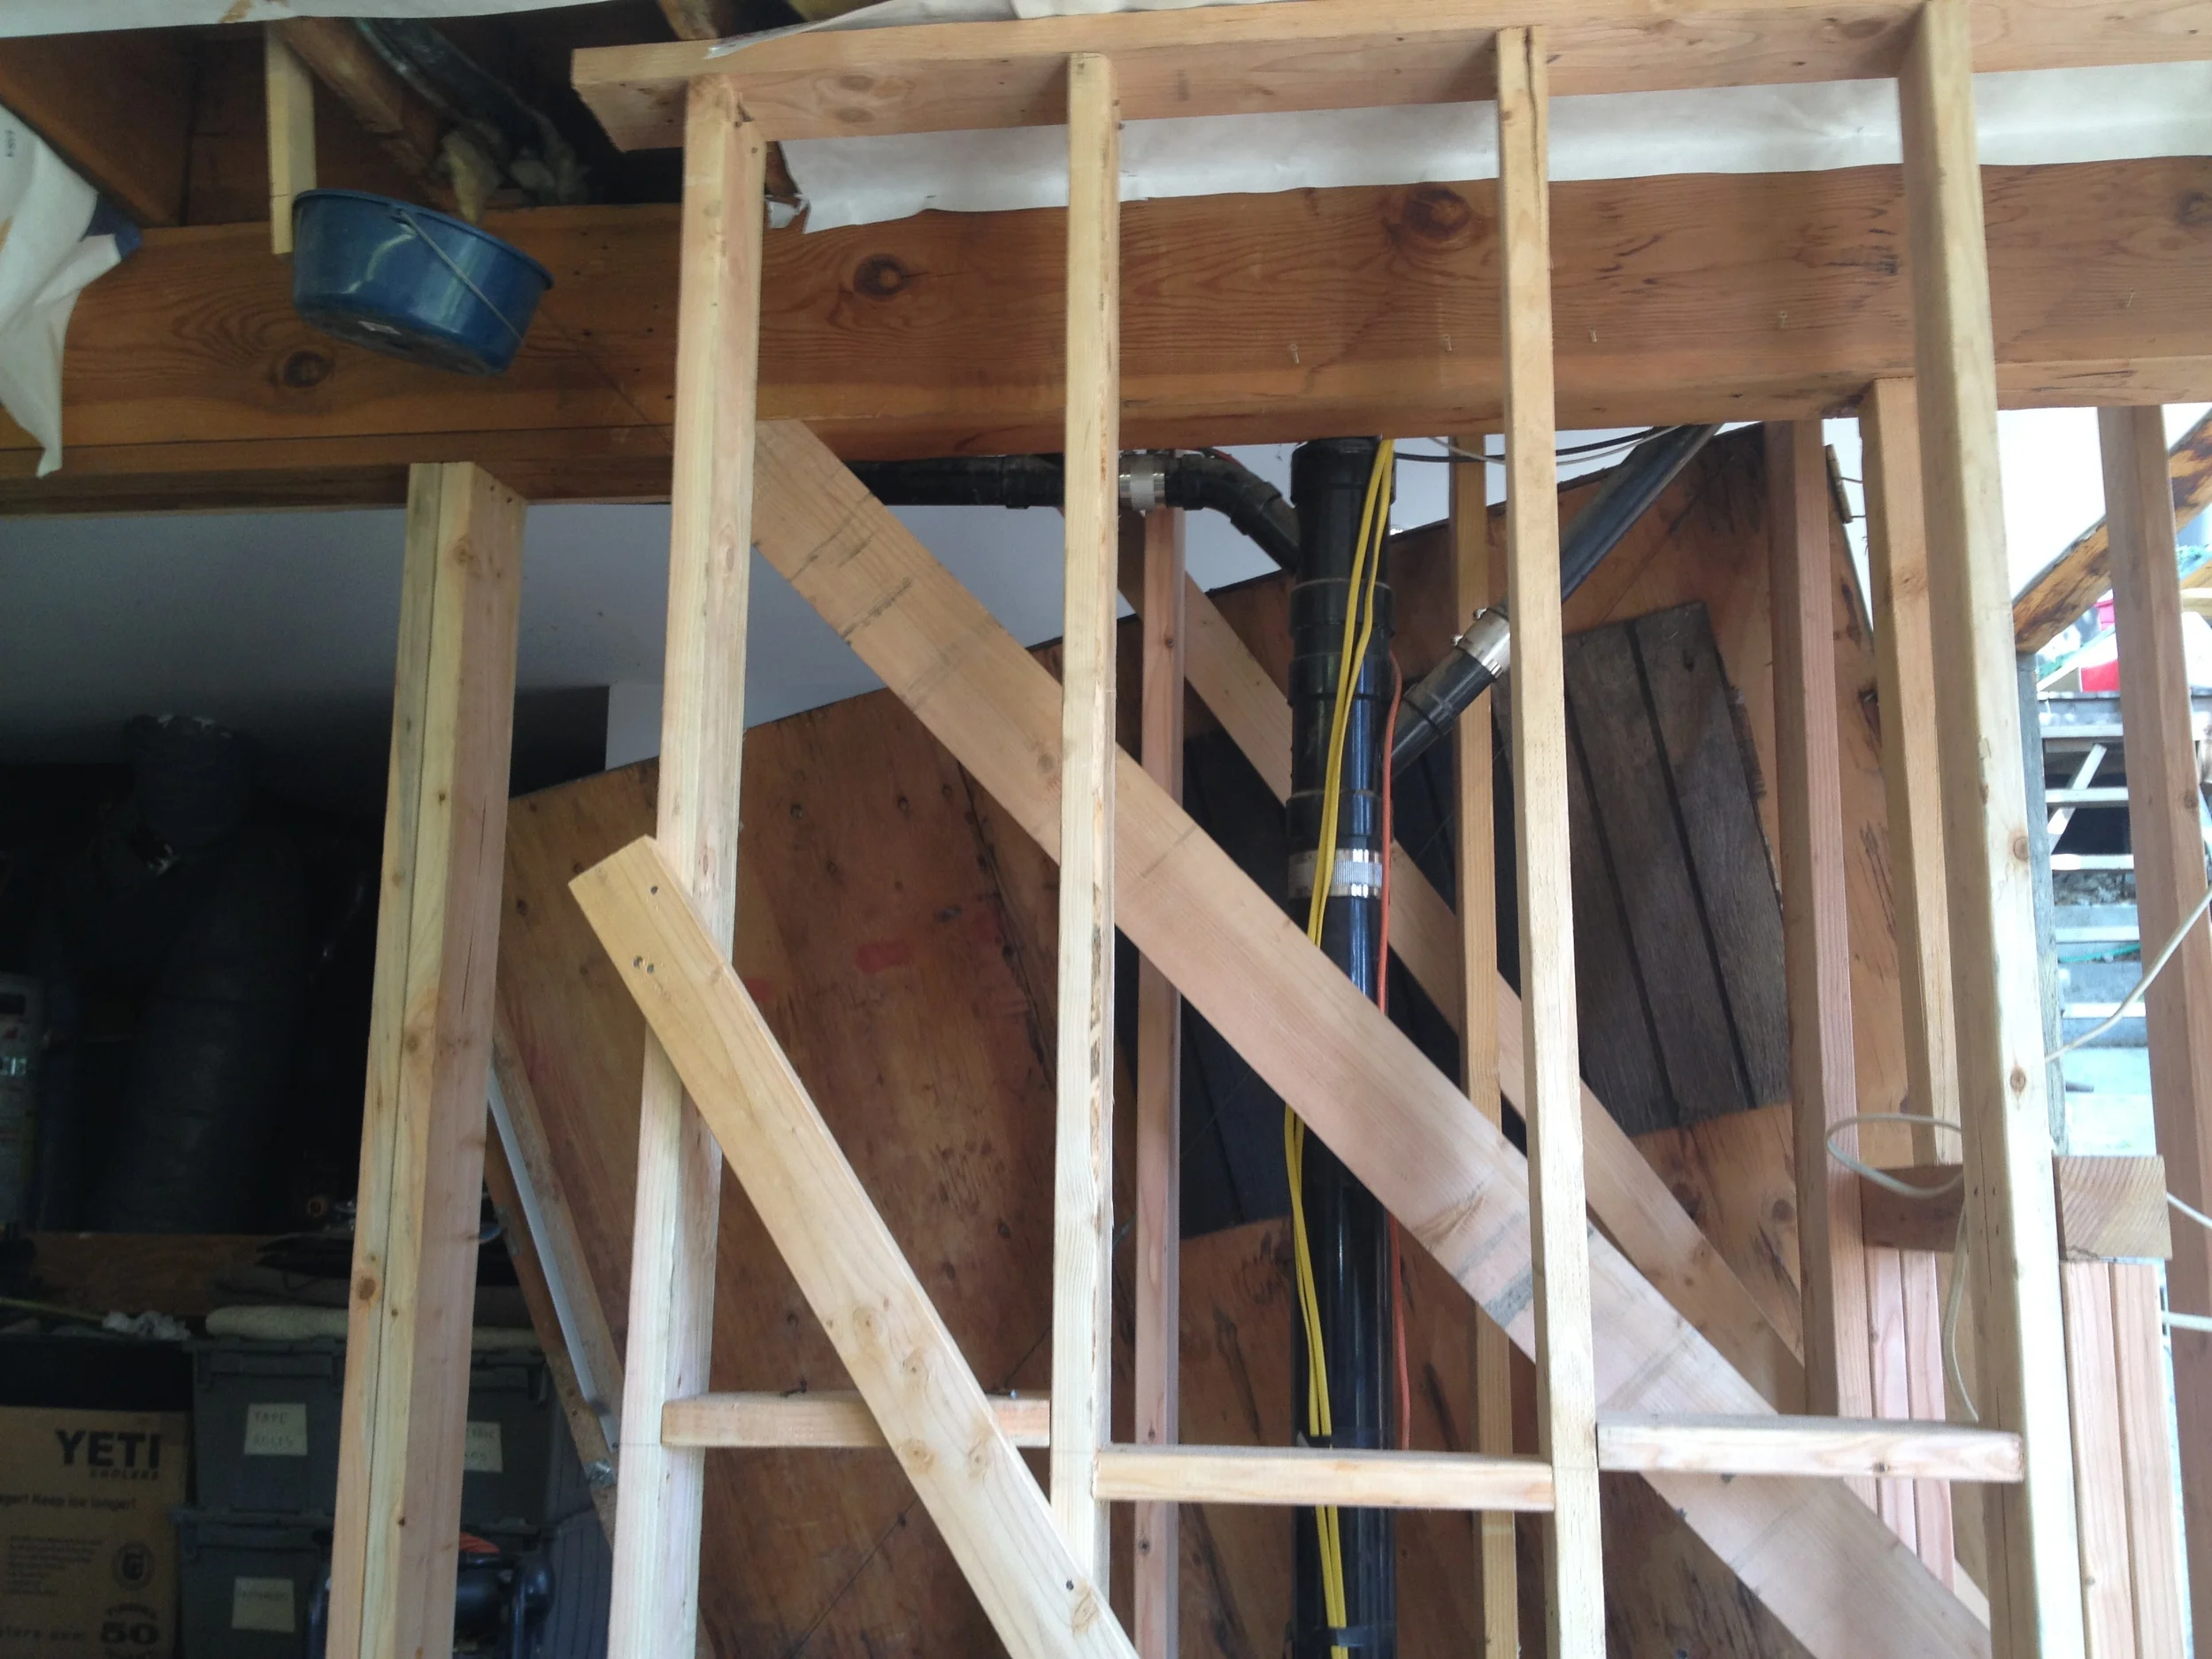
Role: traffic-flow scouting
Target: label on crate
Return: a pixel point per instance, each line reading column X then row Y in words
column 262, row 1604
column 482, row 1454
column 276, row 1429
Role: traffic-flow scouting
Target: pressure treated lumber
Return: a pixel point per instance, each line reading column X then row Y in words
column 2164, row 813
column 1159, row 1066
column 2059, row 594
column 1861, row 1448
column 1551, row 1087
column 290, row 93
column 2034, row 1593
column 661, row 1495
column 393, row 1552
column 1041, row 1599
column 1325, row 54
column 2155, row 1565
column 830, row 1421
column 2110, row 1209
column 1475, row 881
column 1303, row 1476
column 1810, row 1552
column 1083, row 1189
column 2107, row 1581
column 1815, row 927
column 190, row 381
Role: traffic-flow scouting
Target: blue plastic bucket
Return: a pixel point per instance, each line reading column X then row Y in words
column 411, row 283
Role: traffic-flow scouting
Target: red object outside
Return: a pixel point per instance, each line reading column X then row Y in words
column 2103, row 676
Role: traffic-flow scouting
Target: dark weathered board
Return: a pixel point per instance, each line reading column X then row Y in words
column 1641, row 816
column 1690, row 701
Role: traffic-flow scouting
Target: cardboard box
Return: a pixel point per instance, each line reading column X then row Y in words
column 87, row 1550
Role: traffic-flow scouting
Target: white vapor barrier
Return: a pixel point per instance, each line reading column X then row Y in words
column 2024, row 117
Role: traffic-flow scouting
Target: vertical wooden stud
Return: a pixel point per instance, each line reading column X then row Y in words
column 1476, row 881
column 2034, row 1588
column 1552, row 1096
column 1897, row 548
column 2106, row 1582
column 661, row 1490
column 291, row 101
column 1159, row 1106
column 1083, row 1199
column 2163, row 808
column 393, row 1554
column 2147, row 1473
column 1808, row 788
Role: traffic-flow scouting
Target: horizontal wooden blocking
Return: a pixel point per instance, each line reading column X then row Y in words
column 829, row 1421
column 2109, row 1208
column 927, row 1402
column 1866, row 1448
column 1305, row 1476
column 1815, row 1556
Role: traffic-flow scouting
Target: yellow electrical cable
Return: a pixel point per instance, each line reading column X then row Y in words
column 1367, row 557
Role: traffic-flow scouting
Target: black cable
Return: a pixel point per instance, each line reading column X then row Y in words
column 1454, row 456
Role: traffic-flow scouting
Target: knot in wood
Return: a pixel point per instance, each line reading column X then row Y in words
column 304, row 369
column 881, row 276
column 1435, row 216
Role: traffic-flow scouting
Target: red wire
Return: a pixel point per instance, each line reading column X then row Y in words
column 1382, row 1000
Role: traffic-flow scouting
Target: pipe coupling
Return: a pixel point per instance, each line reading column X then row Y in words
column 1144, row 479
column 1488, row 642
column 1358, row 875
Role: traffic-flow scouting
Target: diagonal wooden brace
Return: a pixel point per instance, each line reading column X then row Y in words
column 1816, row 1555
column 881, row 1322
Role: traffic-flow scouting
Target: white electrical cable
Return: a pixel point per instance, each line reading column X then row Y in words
column 2141, row 986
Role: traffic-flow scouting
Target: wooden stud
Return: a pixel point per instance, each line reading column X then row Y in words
column 1083, row 1192
column 1566, row 1387
column 1860, row 1449
column 2034, row 1589
column 1303, row 1478
column 829, row 1421
column 984, row 1502
column 1808, row 785
column 2148, row 1475
column 2164, row 809
column 291, row 101
column 393, row 1553
column 2107, row 1583
column 1816, row 1557
column 1476, row 880
column 1159, row 1108
column 661, row 1494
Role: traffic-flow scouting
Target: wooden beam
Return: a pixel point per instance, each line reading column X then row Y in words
column 1304, row 1477
column 2148, row 1474
column 1816, row 1557
column 1039, row 1597
column 702, row 727
column 2164, row 808
column 1816, row 927
column 2109, row 1208
column 1551, row 1088
column 117, row 106
column 1862, row 1449
column 1329, row 54
column 1627, row 1197
column 2063, row 590
column 829, row 1421
column 1083, row 1190
column 1159, row 1219
column 702, row 20
column 290, row 94
column 393, row 1554
column 1475, row 881
column 1265, row 319
column 404, row 123
column 2034, row 1591
column 2107, row 1583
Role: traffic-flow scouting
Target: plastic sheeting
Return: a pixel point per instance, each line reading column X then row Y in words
column 2025, row 118
column 46, row 257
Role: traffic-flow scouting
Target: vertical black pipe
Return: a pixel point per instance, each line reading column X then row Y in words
column 1347, row 1229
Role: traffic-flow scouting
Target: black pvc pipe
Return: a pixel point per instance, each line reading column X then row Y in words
column 1348, row 1230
